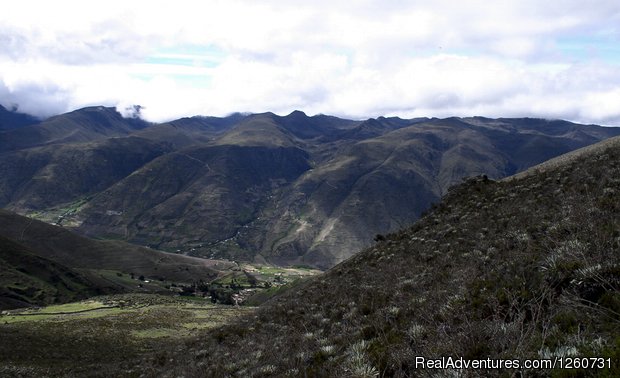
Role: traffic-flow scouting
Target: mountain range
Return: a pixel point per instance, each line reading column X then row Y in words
column 259, row 187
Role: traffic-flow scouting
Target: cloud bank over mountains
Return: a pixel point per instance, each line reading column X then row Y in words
column 556, row 59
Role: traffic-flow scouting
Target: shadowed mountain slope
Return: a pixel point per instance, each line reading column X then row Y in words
column 525, row 268
column 201, row 195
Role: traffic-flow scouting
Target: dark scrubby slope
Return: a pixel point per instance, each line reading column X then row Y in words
column 524, row 268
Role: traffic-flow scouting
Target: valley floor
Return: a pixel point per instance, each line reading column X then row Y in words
column 104, row 335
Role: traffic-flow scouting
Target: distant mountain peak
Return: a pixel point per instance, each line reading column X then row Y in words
column 297, row 113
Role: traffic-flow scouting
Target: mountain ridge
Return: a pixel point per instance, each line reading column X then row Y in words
column 82, row 125
column 292, row 189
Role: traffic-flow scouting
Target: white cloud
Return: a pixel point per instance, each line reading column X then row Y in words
column 360, row 59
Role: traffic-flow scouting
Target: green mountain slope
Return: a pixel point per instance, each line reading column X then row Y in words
column 518, row 269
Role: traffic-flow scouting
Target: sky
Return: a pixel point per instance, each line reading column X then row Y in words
column 354, row 59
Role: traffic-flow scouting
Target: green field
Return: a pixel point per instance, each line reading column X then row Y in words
column 96, row 336
column 253, row 284
column 62, row 214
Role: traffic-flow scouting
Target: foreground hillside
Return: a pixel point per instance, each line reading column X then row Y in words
column 288, row 190
column 516, row 269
